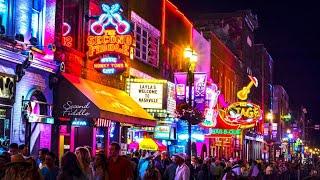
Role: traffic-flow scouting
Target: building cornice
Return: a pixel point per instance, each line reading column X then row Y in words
column 38, row 63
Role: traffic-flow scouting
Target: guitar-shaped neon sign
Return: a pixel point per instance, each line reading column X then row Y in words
column 111, row 16
column 243, row 93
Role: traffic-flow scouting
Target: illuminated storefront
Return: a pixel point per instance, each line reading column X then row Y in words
column 26, row 65
column 157, row 98
column 94, row 113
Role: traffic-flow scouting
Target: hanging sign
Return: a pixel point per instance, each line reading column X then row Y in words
column 200, row 81
column 110, row 33
column 110, row 65
column 211, row 112
column 180, row 80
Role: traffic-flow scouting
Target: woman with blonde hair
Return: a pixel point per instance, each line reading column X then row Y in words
column 84, row 158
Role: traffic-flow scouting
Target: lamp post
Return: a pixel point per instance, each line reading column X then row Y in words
column 192, row 58
column 270, row 117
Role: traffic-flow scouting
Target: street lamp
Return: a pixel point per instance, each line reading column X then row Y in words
column 269, row 117
column 192, row 58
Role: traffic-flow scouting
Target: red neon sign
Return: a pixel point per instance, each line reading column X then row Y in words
column 109, row 42
column 244, row 114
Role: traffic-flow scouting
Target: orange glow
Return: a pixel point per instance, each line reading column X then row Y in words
column 178, row 13
column 67, row 41
column 110, row 42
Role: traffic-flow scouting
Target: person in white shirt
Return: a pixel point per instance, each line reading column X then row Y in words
column 182, row 171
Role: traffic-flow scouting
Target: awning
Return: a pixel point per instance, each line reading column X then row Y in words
column 148, row 144
column 80, row 98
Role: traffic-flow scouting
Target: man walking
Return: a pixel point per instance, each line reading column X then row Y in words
column 182, row 171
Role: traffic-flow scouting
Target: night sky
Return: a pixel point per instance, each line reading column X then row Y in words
column 290, row 31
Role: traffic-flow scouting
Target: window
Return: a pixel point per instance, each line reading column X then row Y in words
column 147, row 41
column 147, row 46
column 36, row 20
column 141, row 36
column 3, row 16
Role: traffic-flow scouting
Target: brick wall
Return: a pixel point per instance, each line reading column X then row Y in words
column 33, row 79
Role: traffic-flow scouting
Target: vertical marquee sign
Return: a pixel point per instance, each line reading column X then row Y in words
column 110, row 42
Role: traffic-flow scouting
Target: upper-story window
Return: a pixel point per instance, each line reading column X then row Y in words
column 36, row 20
column 3, row 16
column 147, row 41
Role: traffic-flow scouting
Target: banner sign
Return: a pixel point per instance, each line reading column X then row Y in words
column 180, row 80
column 200, row 81
column 171, row 100
column 110, row 65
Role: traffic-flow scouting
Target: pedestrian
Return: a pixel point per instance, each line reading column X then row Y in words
column 119, row 168
column 152, row 173
column 19, row 169
column 170, row 171
column 84, row 158
column 229, row 174
column 164, row 161
column 182, row 171
column 100, row 168
column 135, row 160
column 236, row 168
column 254, row 170
column 41, row 157
column 24, row 151
column 217, row 170
column 195, row 166
column 70, row 168
column 13, row 149
column 204, row 173
column 143, row 165
column 50, row 171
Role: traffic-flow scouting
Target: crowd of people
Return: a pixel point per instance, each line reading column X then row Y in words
column 16, row 164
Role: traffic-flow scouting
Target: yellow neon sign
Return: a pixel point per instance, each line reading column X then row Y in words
column 243, row 93
column 241, row 113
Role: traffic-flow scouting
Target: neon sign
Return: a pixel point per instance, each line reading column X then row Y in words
column 226, row 131
column 110, row 17
column 211, row 112
column 109, row 42
column 243, row 93
column 66, row 40
column 110, row 65
column 79, row 123
column 243, row 113
column 3, row 6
